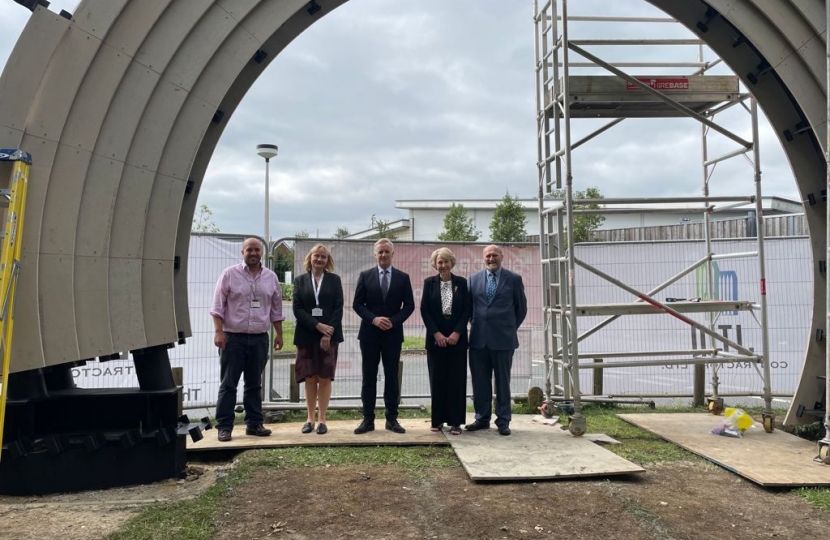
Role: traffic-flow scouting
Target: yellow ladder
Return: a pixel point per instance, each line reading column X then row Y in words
column 15, row 198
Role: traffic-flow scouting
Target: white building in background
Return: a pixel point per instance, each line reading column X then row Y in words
column 425, row 219
column 399, row 230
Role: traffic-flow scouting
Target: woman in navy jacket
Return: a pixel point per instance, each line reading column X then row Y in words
column 318, row 307
column 445, row 310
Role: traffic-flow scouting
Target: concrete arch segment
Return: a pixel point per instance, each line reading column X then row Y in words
column 123, row 105
column 778, row 49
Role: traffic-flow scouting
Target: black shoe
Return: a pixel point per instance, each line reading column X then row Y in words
column 224, row 435
column 393, row 425
column 322, row 429
column 477, row 425
column 504, row 430
column 308, row 427
column 258, row 431
column 363, row 427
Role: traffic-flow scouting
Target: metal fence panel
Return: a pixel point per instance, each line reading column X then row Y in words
column 208, row 256
column 352, row 257
column 643, row 265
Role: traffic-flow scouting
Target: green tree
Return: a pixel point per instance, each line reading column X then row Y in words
column 284, row 262
column 341, row 232
column 458, row 226
column 584, row 224
column 509, row 221
column 203, row 220
column 384, row 230
column 302, row 234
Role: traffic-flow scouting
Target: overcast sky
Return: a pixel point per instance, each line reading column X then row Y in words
column 386, row 100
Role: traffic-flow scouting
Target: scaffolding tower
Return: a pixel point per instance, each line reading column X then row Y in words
column 560, row 99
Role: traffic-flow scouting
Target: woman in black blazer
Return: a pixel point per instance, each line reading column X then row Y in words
column 445, row 310
column 318, row 307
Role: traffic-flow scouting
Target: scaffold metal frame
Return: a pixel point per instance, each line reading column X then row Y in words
column 554, row 102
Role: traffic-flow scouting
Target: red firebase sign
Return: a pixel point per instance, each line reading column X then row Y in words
column 660, row 84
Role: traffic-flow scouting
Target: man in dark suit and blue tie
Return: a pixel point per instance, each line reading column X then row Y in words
column 383, row 299
column 499, row 308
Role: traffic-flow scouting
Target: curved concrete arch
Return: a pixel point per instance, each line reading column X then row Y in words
column 778, row 49
column 123, row 105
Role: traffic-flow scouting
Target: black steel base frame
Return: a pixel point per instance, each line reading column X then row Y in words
column 80, row 439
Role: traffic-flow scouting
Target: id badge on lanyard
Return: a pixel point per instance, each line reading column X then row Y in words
column 317, row 311
column 255, row 303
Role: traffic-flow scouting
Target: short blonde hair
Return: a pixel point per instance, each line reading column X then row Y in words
column 443, row 253
column 307, row 260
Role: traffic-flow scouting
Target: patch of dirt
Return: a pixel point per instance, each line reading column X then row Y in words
column 95, row 514
column 672, row 501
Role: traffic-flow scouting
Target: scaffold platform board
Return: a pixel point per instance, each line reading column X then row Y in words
column 609, row 96
column 643, row 308
column 776, row 459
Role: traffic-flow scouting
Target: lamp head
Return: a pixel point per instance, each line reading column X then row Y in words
column 266, row 151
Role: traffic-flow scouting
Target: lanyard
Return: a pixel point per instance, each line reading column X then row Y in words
column 316, row 286
column 253, row 283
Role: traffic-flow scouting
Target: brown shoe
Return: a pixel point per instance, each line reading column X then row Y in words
column 224, row 435
column 258, row 431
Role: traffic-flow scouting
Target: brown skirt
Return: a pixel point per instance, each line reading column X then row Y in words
column 312, row 360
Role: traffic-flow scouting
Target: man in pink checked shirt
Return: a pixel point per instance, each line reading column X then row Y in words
column 246, row 302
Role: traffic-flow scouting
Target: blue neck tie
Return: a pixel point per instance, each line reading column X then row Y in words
column 491, row 286
column 384, row 283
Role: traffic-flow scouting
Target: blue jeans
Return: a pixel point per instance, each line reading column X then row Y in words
column 243, row 354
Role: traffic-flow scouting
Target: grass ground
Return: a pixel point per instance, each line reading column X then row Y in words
column 194, row 520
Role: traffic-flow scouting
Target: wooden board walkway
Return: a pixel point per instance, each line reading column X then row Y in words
column 341, row 433
column 534, row 451
column 768, row 459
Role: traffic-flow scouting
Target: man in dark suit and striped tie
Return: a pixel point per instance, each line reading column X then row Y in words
column 383, row 299
column 499, row 308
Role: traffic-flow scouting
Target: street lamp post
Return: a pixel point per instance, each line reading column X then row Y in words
column 267, row 151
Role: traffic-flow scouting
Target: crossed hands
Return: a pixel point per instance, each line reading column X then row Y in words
column 327, row 331
column 443, row 341
column 384, row 323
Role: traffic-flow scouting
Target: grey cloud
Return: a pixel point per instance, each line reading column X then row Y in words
column 391, row 99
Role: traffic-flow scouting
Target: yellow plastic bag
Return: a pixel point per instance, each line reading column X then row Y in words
column 742, row 420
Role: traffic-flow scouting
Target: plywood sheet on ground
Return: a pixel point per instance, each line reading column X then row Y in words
column 340, row 433
column 768, row 459
column 534, row 451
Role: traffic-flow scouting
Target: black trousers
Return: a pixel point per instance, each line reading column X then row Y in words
column 448, row 384
column 486, row 364
column 244, row 354
column 387, row 351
